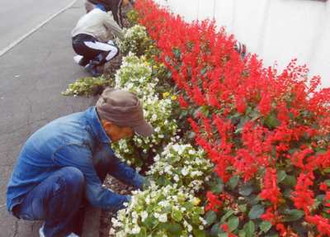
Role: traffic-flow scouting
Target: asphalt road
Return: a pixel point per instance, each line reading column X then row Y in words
column 17, row 18
column 32, row 76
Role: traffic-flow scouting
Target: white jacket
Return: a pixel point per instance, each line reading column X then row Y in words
column 98, row 24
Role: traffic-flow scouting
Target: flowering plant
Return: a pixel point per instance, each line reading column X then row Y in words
column 160, row 211
column 136, row 40
column 87, row 86
column 259, row 127
column 135, row 75
column 183, row 165
column 139, row 150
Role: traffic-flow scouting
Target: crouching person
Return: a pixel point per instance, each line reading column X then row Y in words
column 115, row 6
column 91, row 40
column 63, row 164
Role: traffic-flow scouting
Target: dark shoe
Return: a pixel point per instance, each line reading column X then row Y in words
column 92, row 69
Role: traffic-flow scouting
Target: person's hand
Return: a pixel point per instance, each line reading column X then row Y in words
column 128, row 197
column 148, row 181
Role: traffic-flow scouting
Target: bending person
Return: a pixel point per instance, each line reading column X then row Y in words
column 115, row 6
column 63, row 164
column 91, row 40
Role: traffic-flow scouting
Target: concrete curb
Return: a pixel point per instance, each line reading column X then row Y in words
column 20, row 39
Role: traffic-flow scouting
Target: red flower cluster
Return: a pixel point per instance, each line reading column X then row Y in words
column 271, row 191
column 252, row 119
column 303, row 196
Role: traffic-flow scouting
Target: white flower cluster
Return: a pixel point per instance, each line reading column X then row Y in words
column 135, row 39
column 155, row 209
column 135, row 76
column 183, row 165
column 158, row 113
column 163, row 209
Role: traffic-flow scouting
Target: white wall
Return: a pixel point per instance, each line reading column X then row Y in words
column 276, row 30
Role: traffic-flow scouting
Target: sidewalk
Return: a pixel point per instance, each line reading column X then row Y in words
column 32, row 76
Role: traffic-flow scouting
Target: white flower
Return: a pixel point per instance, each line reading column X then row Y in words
column 147, row 200
column 191, row 152
column 115, row 222
column 154, row 117
column 112, row 231
column 184, row 171
column 164, row 203
column 189, row 228
column 167, row 169
column 202, row 220
column 134, row 215
column 163, row 218
column 144, row 215
column 136, row 230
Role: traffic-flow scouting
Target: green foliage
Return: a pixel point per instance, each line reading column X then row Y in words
column 137, row 151
column 241, row 213
column 132, row 17
column 183, row 165
column 87, row 86
column 161, row 211
column 135, row 75
column 136, row 41
column 256, row 211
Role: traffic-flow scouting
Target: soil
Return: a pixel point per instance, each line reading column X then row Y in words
column 106, row 216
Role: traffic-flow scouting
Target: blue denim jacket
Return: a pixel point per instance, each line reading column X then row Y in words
column 74, row 140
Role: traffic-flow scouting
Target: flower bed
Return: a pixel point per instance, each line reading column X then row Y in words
column 267, row 132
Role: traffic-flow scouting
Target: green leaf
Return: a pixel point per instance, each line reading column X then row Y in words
column 252, row 199
column 271, row 121
column 272, row 235
column 292, row 215
column 318, row 200
column 326, row 215
column 233, row 223
column 222, row 235
column 210, row 218
column 246, row 189
column 281, row 175
column 177, row 53
column 249, row 229
column 242, row 207
column 232, row 183
column 173, row 228
column 241, row 233
column 289, row 180
column 225, row 216
column 217, row 185
column 143, row 232
column 217, row 189
column 256, row 211
column 265, row 226
column 199, row 233
column 216, row 230
column 204, row 70
column 176, row 215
